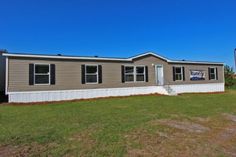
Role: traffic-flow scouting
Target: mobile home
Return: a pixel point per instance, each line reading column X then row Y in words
column 38, row 78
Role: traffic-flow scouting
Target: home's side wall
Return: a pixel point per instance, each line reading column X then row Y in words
column 2, row 73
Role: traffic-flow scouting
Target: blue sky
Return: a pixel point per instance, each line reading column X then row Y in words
column 178, row 29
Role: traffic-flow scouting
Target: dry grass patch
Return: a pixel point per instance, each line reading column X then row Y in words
column 201, row 120
column 230, row 117
column 83, row 142
column 168, row 144
column 34, row 149
column 184, row 125
column 213, row 137
column 224, row 135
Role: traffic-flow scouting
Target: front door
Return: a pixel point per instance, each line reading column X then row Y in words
column 159, row 75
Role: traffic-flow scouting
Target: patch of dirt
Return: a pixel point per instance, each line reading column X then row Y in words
column 83, row 141
column 230, row 117
column 6, row 151
column 138, row 152
column 202, row 120
column 185, row 125
column 34, row 149
column 225, row 137
column 167, row 144
column 85, row 134
column 215, row 137
column 226, row 134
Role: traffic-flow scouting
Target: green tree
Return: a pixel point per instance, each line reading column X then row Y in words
column 229, row 76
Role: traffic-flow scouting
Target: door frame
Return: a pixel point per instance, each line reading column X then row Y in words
column 156, row 74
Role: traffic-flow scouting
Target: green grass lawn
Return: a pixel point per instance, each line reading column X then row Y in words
column 231, row 88
column 129, row 126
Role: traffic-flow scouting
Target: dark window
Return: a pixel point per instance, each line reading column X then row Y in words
column 41, row 69
column 91, row 74
column 129, row 74
column 178, row 73
column 91, row 78
column 42, row 74
column 129, row 78
column 140, row 70
column 134, row 73
column 129, row 70
column 41, row 79
column 91, row 69
column 212, row 73
column 139, row 77
column 140, row 73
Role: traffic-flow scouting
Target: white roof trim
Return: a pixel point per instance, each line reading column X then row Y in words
column 64, row 57
column 196, row 62
column 109, row 59
column 150, row 53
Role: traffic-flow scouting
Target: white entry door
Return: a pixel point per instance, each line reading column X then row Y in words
column 159, row 75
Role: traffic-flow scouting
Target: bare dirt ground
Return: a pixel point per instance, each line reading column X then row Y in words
column 195, row 138
column 185, row 125
column 24, row 151
column 230, row 117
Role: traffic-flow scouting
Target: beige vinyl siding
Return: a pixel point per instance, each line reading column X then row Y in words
column 188, row 67
column 168, row 71
column 68, row 74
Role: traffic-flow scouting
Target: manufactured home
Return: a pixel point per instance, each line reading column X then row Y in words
column 37, row 78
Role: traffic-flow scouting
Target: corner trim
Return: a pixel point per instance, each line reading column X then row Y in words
column 6, row 77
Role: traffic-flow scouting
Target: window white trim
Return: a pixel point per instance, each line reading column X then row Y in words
column 181, row 73
column 49, row 74
column 144, row 73
column 85, row 74
column 134, row 73
column 212, row 73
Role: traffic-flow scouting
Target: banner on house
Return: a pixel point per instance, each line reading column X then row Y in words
column 197, row 75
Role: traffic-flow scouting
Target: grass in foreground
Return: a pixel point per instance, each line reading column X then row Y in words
column 131, row 126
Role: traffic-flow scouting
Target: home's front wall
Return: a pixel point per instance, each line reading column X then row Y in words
column 68, row 74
